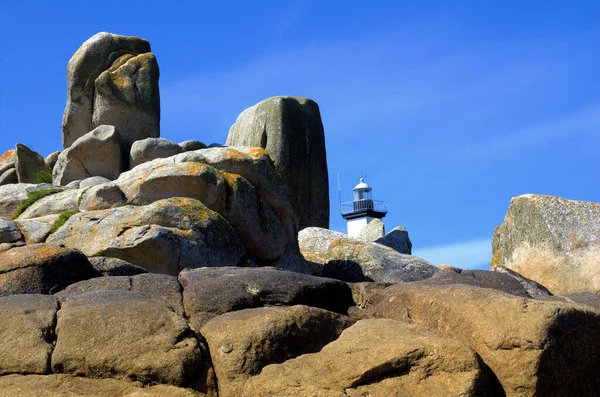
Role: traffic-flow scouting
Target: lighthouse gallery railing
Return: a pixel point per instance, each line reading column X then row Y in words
column 363, row 205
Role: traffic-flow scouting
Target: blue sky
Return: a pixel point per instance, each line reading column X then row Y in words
column 449, row 108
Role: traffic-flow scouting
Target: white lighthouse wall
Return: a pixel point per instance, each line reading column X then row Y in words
column 356, row 224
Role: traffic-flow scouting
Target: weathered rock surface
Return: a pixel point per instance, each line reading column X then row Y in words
column 36, row 230
column 60, row 385
column 208, row 292
column 378, row 358
column 124, row 334
column 97, row 153
column 397, row 239
column 26, row 333
column 535, row 348
column 534, row 289
column 41, row 269
column 373, row 231
column 93, row 181
column 478, row 278
column 28, row 164
column 336, row 255
column 102, row 197
column 51, row 160
column 149, row 149
column 7, row 161
column 551, row 240
column 241, row 343
column 192, row 144
column 9, row 177
column 11, row 196
column 291, row 131
column 127, row 97
column 159, row 286
column 230, row 195
column 163, row 237
column 56, row 203
column 115, row 266
column 9, row 232
column 94, row 56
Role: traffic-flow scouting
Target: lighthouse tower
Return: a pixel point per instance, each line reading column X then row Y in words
column 363, row 209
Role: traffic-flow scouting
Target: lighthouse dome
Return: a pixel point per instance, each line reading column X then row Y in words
column 362, row 185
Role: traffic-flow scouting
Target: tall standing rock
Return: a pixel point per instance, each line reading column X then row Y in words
column 97, row 55
column 127, row 97
column 291, row 131
column 28, row 164
column 551, row 240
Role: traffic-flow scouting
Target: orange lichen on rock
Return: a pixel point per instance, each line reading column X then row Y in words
column 7, row 156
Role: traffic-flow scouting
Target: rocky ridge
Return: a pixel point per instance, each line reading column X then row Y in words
column 133, row 265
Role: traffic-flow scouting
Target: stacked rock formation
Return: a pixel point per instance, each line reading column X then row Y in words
column 150, row 268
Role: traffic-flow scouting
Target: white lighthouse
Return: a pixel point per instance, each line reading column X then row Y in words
column 363, row 209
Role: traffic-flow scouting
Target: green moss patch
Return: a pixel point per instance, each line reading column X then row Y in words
column 44, row 176
column 34, row 196
column 61, row 220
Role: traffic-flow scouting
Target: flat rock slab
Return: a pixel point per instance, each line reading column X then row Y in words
column 28, row 164
column 42, row 269
column 53, row 204
column 241, row 343
column 124, row 334
column 26, row 333
column 378, row 358
column 535, row 348
column 478, row 278
column 60, row 385
column 208, row 292
column 159, row 286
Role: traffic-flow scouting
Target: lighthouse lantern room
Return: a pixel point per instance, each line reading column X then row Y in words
column 363, row 209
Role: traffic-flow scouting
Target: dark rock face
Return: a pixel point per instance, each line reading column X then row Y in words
column 94, row 56
column 42, row 269
column 291, row 131
column 115, row 266
column 28, row 164
column 551, row 240
column 397, row 239
column 213, row 291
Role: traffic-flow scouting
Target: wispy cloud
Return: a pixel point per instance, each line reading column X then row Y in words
column 474, row 254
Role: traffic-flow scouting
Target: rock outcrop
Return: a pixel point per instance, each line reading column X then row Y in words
column 89, row 101
column 150, row 149
column 551, row 240
column 335, row 255
column 291, row 131
column 164, row 269
column 97, row 153
column 530, row 345
column 28, row 164
column 242, row 343
column 163, row 237
column 373, row 231
column 41, row 269
column 397, row 239
column 379, row 358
